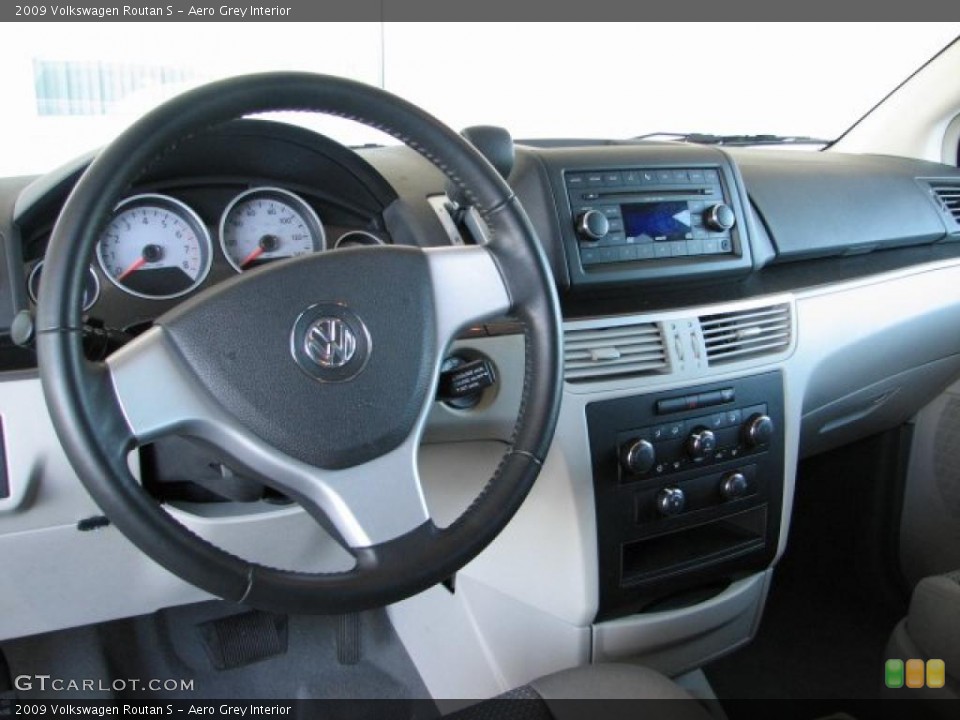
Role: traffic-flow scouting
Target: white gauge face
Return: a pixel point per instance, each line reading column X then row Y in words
column 155, row 247
column 266, row 224
column 91, row 286
column 357, row 238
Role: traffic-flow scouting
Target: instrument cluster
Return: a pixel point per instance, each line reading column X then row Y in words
column 158, row 247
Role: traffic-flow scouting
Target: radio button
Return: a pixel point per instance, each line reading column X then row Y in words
column 589, row 256
column 614, row 238
column 719, row 217
column 576, row 181
column 696, row 176
column 681, row 177
column 592, row 225
column 612, row 178
column 608, row 254
column 594, row 179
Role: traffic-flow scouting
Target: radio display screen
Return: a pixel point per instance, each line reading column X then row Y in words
column 658, row 221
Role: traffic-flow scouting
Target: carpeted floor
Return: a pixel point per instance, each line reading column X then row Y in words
column 833, row 602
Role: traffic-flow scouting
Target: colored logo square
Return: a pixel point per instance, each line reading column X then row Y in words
column 915, row 673
column 893, row 673
column 936, row 673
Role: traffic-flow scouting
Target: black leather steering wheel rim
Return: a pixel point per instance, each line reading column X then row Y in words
column 95, row 436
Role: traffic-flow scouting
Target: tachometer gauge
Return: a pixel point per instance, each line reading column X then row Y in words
column 155, row 247
column 265, row 224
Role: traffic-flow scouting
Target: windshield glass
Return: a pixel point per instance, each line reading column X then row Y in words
column 69, row 88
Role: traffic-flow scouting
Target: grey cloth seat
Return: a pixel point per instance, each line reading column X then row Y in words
column 931, row 629
column 576, row 693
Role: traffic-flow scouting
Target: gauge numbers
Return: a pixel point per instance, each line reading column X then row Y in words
column 155, row 247
column 266, row 224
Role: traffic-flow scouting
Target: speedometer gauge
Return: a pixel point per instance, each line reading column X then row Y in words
column 155, row 247
column 267, row 224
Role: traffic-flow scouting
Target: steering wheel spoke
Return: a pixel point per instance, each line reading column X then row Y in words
column 365, row 505
column 468, row 287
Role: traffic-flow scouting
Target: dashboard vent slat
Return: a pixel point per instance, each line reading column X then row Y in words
column 745, row 334
column 948, row 193
column 622, row 351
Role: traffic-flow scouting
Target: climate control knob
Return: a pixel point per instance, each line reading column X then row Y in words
column 758, row 430
column 719, row 217
column 733, row 486
column 592, row 225
column 702, row 443
column 671, row 501
column 638, row 456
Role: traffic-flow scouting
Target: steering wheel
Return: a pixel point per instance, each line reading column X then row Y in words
column 314, row 374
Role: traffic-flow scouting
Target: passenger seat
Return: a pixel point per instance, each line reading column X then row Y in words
column 931, row 630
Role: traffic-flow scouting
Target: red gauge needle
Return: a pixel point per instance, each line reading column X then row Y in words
column 134, row 266
column 251, row 257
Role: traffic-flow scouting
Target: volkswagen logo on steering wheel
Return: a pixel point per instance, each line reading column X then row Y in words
column 330, row 343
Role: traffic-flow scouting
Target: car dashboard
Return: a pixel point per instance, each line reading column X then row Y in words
column 727, row 312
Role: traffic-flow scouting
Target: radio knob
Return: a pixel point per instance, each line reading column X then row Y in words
column 671, row 501
column 701, row 443
column 733, row 486
column 592, row 225
column 758, row 430
column 719, row 217
column 638, row 457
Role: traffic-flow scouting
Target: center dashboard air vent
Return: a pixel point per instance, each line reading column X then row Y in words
column 613, row 352
column 947, row 194
column 745, row 334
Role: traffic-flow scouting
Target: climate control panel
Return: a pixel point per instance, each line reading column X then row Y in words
column 681, row 445
column 688, row 488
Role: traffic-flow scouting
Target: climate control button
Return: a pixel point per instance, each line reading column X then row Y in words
column 671, row 501
column 758, row 430
column 701, row 443
column 638, row 456
column 733, row 485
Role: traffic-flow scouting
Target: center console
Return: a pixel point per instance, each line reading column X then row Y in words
column 688, row 487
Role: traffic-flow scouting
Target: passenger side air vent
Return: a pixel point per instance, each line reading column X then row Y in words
column 613, row 352
column 744, row 334
column 948, row 193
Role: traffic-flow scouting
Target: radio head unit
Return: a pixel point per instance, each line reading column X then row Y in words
column 653, row 222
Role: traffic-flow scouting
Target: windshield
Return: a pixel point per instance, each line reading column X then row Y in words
column 69, row 88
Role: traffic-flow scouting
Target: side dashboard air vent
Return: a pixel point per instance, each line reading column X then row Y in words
column 948, row 194
column 613, row 352
column 744, row 334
